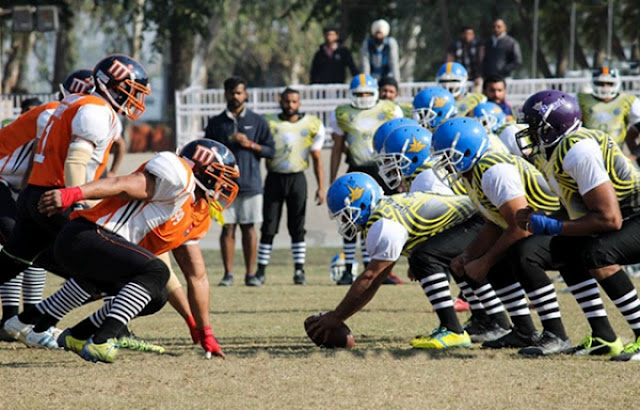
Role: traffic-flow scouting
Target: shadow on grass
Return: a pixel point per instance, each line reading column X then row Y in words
column 313, row 311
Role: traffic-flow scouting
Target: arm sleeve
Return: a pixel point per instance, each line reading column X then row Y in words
column 265, row 139
column 386, row 239
column 633, row 118
column 92, row 123
column 172, row 178
column 501, row 183
column 394, row 58
column 333, row 123
column 318, row 139
column 426, row 181
column 397, row 112
column 583, row 162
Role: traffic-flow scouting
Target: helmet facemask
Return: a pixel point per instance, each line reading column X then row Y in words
column 127, row 97
column 391, row 168
column 364, row 102
column 452, row 163
column 218, row 186
column 347, row 218
column 605, row 89
column 455, row 86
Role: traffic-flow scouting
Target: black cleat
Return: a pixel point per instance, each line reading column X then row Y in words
column 513, row 339
column 298, row 277
column 252, row 280
column 260, row 274
column 547, row 344
column 227, row 280
column 346, row 279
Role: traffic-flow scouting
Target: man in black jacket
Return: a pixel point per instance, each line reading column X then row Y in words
column 502, row 53
column 247, row 135
column 331, row 60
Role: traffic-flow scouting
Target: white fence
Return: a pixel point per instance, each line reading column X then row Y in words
column 195, row 106
column 10, row 103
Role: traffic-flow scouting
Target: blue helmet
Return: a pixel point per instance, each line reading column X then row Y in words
column 363, row 83
column 385, row 129
column 351, row 199
column 404, row 150
column 459, row 143
column 490, row 116
column 432, row 106
column 452, row 77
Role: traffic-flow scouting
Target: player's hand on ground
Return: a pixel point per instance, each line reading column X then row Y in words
column 209, row 343
column 476, row 269
column 319, row 197
column 523, row 217
column 50, row 202
column 319, row 329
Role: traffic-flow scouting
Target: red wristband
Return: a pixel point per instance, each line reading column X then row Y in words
column 69, row 196
column 206, row 331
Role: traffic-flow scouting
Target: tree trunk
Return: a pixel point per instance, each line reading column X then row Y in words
column 23, row 80
column 63, row 62
column 562, row 62
column 526, row 21
column 138, row 25
column 444, row 18
column 21, row 46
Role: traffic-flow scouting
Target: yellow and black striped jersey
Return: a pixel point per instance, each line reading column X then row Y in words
column 422, row 214
column 610, row 117
column 539, row 195
column 622, row 174
column 293, row 141
column 468, row 102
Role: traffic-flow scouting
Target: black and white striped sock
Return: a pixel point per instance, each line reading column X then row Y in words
column 436, row 287
column 587, row 295
column 264, row 253
column 514, row 300
column 10, row 297
column 474, row 303
column 492, row 304
column 299, row 251
column 130, row 301
column 63, row 301
column 349, row 252
column 366, row 258
column 624, row 295
column 33, row 285
column 545, row 302
column 98, row 317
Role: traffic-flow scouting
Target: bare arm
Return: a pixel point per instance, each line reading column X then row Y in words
column 118, row 149
column 316, row 157
column 336, row 155
column 604, row 213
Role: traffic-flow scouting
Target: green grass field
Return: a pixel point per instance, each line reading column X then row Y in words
column 271, row 363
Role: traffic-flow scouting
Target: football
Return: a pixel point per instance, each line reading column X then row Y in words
column 340, row 337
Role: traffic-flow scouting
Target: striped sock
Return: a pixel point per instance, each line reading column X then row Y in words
column 264, row 253
column 474, row 303
column 436, row 287
column 349, row 253
column 10, row 297
column 622, row 293
column 365, row 255
column 513, row 299
column 98, row 317
column 33, row 285
column 492, row 304
column 299, row 251
column 545, row 302
column 587, row 295
column 130, row 301
column 67, row 298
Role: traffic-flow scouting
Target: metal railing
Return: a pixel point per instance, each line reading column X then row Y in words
column 194, row 105
column 10, row 103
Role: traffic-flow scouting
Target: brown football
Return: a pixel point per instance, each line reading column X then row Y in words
column 340, row 337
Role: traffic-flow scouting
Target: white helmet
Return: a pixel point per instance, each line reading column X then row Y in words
column 363, row 83
column 338, row 267
column 606, row 83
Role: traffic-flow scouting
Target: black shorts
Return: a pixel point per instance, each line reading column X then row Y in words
column 280, row 189
column 8, row 213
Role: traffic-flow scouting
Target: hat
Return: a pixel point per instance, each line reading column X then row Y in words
column 381, row 26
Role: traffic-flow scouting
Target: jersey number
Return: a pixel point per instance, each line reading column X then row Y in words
column 39, row 156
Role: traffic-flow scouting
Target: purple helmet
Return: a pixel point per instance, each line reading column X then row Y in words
column 550, row 115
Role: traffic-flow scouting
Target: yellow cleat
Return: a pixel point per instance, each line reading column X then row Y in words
column 595, row 346
column 103, row 352
column 70, row 343
column 442, row 338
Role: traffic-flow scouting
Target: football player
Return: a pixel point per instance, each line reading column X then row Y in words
column 453, row 77
column 600, row 190
column 433, row 105
column 166, row 205
column 353, row 128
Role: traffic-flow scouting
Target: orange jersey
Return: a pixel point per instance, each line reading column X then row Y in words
column 169, row 219
column 88, row 117
column 16, row 142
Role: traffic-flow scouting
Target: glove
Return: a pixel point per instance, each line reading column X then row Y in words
column 543, row 225
column 209, row 342
column 195, row 333
column 70, row 195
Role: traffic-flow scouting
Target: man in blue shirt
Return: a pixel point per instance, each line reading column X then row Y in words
column 247, row 135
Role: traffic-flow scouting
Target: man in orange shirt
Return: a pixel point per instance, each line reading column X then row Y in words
column 165, row 205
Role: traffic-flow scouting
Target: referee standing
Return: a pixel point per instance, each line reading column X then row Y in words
column 296, row 136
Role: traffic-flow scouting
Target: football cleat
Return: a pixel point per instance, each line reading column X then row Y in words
column 442, row 338
column 260, row 274
column 298, row 277
column 547, row 344
column 6, row 337
column 16, row 329
column 43, row 340
column 252, row 280
column 490, row 331
column 227, row 280
column 513, row 339
column 631, row 352
column 595, row 346
column 133, row 342
column 105, row 352
column 70, row 343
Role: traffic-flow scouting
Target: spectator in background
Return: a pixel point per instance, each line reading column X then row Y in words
column 247, row 135
column 331, row 60
column 495, row 88
column 29, row 103
column 379, row 53
column 502, row 54
column 468, row 51
column 388, row 89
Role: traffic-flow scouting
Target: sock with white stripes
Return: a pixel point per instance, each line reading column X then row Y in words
column 299, row 251
column 513, row 299
column 436, row 287
column 85, row 329
column 33, row 286
column 622, row 293
column 365, row 255
column 264, row 254
column 587, row 295
column 130, row 301
column 474, row 303
column 545, row 302
column 349, row 248
column 56, row 306
column 10, row 296
column 492, row 305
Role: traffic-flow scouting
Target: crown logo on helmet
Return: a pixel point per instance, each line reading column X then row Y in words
column 355, row 193
column 416, row 146
column 439, row 102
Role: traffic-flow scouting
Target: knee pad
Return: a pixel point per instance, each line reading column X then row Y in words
column 156, row 303
column 154, row 276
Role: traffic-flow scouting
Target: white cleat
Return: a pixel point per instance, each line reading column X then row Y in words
column 43, row 340
column 18, row 330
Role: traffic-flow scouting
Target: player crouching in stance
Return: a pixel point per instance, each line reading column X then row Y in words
column 111, row 249
column 430, row 228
